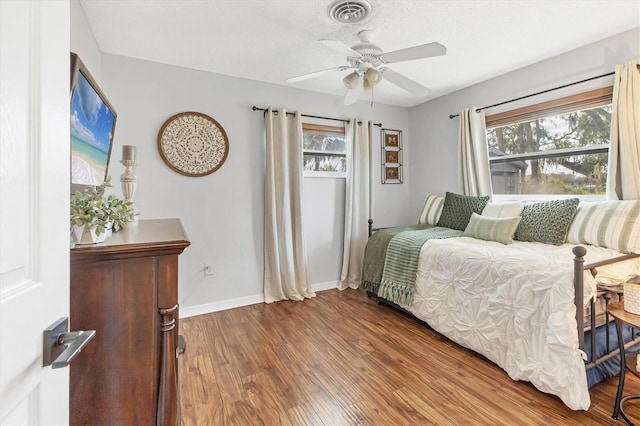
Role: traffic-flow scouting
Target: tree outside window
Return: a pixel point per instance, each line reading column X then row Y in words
column 553, row 153
column 324, row 150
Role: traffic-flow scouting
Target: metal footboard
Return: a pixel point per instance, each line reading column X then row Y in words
column 607, row 295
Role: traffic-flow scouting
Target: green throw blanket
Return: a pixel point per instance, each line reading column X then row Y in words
column 401, row 262
column 375, row 252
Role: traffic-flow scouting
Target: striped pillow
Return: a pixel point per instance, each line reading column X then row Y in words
column 611, row 224
column 432, row 209
column 500, row 229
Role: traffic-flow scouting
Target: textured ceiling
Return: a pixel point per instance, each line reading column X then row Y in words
column 271, row 40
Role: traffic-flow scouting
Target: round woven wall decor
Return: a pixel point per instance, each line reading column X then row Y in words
column 193, row 144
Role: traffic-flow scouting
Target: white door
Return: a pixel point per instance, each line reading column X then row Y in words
column 34, row 206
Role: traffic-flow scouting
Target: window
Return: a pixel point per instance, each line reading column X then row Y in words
column 324, row 150
column 556, row 147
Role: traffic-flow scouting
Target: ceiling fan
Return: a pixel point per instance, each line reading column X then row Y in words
column 367, row 60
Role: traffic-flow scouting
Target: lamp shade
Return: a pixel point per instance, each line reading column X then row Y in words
column 351, row 80
column 373, row 76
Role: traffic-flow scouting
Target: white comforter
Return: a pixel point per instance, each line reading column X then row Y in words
column 513, row 304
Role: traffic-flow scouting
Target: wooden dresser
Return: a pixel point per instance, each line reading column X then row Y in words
column 127, row 290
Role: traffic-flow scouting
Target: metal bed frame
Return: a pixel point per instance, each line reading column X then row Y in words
column 607, row 294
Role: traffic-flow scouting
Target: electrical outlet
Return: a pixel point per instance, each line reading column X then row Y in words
column 208, row 270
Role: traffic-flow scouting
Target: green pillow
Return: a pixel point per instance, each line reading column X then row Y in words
column 547, row 222
column 457, row 210
column 486, row 228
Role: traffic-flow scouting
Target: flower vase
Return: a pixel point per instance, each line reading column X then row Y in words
column 85, row 235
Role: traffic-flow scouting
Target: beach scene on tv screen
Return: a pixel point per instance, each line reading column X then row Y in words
column 91, row 128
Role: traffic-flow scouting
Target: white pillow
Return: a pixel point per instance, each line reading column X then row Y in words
column 510, row 209
column 431, row 211
column 611, row 224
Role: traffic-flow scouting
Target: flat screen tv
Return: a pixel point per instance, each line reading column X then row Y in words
column 93, row 121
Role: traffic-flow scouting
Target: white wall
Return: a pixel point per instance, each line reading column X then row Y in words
column 433, row 164
column 84, row 43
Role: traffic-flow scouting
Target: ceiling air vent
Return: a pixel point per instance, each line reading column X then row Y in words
column 349, row 12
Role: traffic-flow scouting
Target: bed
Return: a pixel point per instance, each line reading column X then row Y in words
column 514, row 303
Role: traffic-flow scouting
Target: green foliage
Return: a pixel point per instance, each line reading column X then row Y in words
column 320, row 142
column 324, row 150
column 93, row 210
column 576, row 129
column 324, row 163
column 561, row 184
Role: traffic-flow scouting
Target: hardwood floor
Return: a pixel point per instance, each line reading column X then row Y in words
column 333, row 360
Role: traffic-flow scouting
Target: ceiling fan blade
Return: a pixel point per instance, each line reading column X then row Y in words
column 405, row 83
column 417, row 52
column 353, row 94
column 340, row 47
column 316, row 74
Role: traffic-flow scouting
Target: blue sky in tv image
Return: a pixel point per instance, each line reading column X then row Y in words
column 91, row 127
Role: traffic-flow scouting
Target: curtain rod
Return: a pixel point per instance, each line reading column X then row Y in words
column 255, row 108
column 452, row 116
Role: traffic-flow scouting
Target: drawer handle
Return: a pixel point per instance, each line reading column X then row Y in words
column 60, row 346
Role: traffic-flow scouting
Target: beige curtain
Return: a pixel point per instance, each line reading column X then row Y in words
column 623, row 179
column 285, row 258
column 357, row 208
column 473, row 153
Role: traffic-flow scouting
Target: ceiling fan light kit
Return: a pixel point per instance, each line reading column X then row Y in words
column 351, row 80
column 373, row 76
column 367, row 85
column 369, row 63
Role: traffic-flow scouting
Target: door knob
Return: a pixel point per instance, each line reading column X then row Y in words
column 60, row 346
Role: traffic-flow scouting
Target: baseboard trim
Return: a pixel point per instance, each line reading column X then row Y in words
column 207, row 308
column 329, row 285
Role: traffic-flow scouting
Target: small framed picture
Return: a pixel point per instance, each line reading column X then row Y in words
column 391, row 139
column 391, row 156
column 392, row 173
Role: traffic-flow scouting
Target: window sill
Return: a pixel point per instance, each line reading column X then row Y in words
column 498, row 198
column 335, row 175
